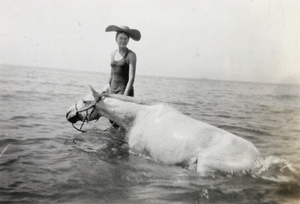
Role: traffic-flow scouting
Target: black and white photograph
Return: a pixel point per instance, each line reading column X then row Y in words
column 150, row 102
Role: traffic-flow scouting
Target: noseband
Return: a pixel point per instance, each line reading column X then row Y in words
column 87, row 116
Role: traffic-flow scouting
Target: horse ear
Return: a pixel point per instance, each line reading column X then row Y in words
column 95, row 93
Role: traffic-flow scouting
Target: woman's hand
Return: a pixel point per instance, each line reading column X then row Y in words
column 105, row 89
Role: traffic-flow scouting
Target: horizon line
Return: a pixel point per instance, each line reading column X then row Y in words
column 170, row 77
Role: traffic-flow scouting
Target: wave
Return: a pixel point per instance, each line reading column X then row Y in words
column 29, row 116
column 244, row 130
column 276, row 169
column 285, row 97
column 19, row 118
column 282, row 173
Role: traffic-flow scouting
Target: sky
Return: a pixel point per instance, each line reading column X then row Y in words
column 240, row 40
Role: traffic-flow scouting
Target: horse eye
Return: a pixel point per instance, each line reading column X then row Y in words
column 83, row 101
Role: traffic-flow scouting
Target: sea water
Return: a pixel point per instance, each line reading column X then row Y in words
column 45, row 160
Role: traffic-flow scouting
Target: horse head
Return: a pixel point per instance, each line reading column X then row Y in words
column 84, row 109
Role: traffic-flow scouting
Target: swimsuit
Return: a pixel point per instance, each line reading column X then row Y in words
column 120, row 75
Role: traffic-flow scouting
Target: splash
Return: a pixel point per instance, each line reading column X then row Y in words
column 274, row 169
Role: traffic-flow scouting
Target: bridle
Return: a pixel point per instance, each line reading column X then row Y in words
column 87, row 115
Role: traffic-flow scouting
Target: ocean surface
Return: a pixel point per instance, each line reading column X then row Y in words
column 45, row 160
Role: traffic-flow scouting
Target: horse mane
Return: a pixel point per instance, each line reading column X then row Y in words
column 127, row 99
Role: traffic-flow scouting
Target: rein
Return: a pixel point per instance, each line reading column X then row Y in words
column 87, row 116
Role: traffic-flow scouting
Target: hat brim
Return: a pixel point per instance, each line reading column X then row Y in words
column 133, row 33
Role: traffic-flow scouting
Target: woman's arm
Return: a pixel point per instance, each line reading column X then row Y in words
column 132, row 67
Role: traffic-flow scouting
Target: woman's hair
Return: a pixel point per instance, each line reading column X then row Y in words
column 120, row 32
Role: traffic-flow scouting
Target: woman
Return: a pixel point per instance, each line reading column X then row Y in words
column 123, row 62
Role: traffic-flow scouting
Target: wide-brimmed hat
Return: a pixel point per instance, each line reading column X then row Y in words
column 133, row 33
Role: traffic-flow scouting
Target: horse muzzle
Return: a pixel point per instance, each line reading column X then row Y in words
column 73, row 118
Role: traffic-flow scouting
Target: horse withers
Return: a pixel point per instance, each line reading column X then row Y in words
column 167, row 135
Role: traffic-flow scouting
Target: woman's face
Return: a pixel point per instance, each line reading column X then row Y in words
column 122, row 40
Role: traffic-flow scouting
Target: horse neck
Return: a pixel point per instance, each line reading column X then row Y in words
column 121, row 112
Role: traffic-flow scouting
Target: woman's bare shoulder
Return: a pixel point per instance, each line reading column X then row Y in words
column 131, row 54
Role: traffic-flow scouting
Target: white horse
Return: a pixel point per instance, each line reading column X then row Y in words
column 167, row 135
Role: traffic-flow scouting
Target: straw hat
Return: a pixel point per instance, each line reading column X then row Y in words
column 133, row 33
